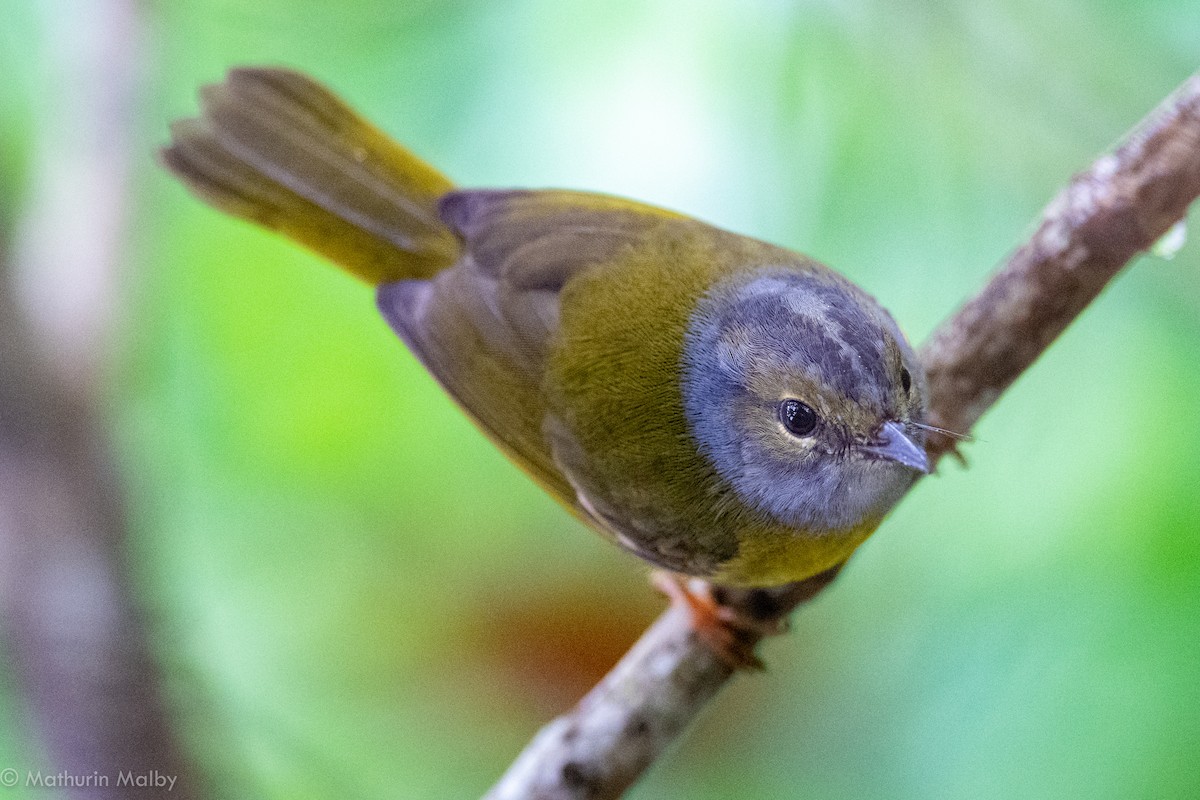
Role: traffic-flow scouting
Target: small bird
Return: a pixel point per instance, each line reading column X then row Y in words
column 721, row 407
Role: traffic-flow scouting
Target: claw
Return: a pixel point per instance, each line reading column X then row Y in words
column 730, row 635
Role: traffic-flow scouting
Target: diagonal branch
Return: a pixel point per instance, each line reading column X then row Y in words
column 1103, row 218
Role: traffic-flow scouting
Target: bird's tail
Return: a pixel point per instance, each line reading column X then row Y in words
column 279, row 149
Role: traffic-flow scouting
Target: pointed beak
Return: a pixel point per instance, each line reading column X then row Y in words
column 893, row 444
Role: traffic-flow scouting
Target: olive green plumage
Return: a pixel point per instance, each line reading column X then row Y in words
column 634, row 361
column 278, row 149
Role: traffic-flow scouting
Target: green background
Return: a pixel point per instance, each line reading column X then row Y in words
column 357, row 596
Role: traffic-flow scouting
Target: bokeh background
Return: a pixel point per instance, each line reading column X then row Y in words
column 352, row 594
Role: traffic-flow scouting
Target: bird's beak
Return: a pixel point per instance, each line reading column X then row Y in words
column 893, row 444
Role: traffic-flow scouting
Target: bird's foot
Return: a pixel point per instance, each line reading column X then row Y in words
column 730, row 633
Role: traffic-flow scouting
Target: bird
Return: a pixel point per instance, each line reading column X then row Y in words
column 724, row 408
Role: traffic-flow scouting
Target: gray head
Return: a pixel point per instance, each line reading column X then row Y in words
column 803, row 394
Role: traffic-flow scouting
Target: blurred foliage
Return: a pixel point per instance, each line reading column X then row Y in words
column 356, row 596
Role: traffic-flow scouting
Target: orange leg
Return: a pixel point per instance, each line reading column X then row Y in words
column 730, row 635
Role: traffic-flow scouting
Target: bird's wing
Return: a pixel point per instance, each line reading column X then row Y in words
column 485, row 326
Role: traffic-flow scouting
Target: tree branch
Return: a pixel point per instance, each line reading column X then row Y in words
column 1105, row 216
column 75, row 636
column 1097, row 224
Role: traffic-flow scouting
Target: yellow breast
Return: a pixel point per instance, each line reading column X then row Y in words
column 773, row 556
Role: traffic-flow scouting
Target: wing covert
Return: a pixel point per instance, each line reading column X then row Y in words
column 484, row 326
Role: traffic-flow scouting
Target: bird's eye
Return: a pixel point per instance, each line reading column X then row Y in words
column 905, row 380
column 799, row 419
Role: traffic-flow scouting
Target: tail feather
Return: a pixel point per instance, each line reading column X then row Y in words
column 275, row 147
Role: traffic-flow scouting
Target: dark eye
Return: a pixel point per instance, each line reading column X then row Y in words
column 905, row 380
column 799, row 419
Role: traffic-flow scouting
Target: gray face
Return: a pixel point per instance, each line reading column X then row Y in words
column 801, row 333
